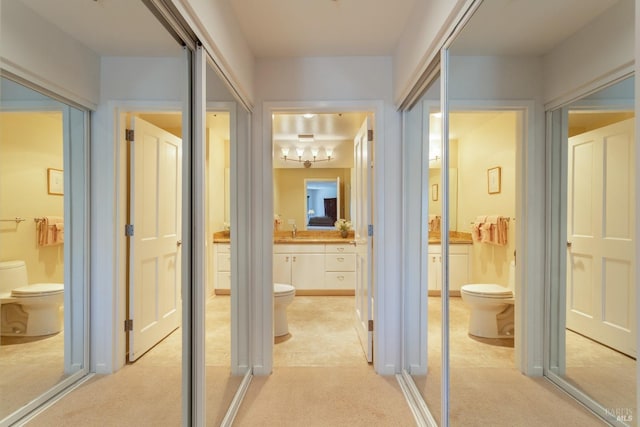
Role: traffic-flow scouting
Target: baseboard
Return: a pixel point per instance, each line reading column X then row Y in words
column 433, row 293
column 325, row 292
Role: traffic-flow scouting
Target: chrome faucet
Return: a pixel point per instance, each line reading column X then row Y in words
column 294, row 230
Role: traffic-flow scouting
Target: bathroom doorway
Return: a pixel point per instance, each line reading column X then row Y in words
column 335, row 284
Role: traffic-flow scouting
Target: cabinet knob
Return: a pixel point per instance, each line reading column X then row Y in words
column 341, row 278
column 340, row 249
column 340, row 259
column 286, row 259
column 294, row 259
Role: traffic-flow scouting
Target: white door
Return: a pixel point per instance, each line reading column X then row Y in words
column 362, row 218
column 601, row 292
column 155, row 203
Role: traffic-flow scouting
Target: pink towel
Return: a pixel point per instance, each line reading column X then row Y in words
column 476, row 232
column 47, row 232
column 495, row 230
column 434, row 222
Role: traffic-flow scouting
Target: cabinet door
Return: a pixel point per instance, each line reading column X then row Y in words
column 434, row 267
column 458, row 271
column 282, row 268
column 307, row 271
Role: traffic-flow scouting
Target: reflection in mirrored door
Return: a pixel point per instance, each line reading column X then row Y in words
column 226, row 350
column 42, row 294
column 595, row 330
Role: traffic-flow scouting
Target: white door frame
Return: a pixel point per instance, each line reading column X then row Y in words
column 119, row 111
column 262, row 324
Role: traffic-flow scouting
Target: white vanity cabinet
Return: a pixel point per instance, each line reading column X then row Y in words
column 301, row 265
column 316, row 268
column 222, row 267
column 340, row 266
column 459, row 267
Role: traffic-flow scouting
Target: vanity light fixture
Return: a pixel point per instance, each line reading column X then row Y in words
column 307, row 162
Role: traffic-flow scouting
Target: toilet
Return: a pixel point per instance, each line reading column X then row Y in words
column 492, row 307
column 283, row 296
column 28, row 309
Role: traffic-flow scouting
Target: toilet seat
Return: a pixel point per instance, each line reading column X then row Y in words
column 488, row 290
column 283, row 290
column 38, row 290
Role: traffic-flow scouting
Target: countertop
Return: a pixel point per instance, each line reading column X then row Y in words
column 330, row 236
column 302, row 237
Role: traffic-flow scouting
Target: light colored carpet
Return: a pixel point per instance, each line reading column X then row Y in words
column 336, row 396
column 321, row 333
column 149, row 391
column 29, row 366
column 485, row 387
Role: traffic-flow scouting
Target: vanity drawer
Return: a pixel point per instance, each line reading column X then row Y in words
column 340, row 248
column 224, row 248
column 224, row 262
column 340, row 262
column 339, row 280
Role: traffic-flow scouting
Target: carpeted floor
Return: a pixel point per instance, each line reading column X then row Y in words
column 485, row 387
column 321, row 378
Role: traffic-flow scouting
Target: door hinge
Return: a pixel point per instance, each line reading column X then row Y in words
column 128, row 325
column 370, row 230
column 370, row 135
column 370, row 329
column 128, row 230
column 129, row 135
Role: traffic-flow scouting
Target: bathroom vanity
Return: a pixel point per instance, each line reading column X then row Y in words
column 315, row 263
column 460, row 246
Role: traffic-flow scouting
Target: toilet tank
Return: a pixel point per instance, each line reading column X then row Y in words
column 13, row 274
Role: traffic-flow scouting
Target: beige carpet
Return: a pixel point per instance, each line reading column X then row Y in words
column 336, row 396
column 29, row 366
column 485, row 387
column 149, row 391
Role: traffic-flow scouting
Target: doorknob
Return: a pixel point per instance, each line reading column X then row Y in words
column 179, row 243
column 568, row 244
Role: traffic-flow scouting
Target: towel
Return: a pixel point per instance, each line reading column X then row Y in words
column 48, row 233
column 489, row 229
column 476, row 232
column 434, row 222
column 494, row 230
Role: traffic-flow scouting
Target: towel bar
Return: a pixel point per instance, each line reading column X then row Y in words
column 17, row 220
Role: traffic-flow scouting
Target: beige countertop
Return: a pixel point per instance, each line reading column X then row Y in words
column 455, row 238
column 302, row 237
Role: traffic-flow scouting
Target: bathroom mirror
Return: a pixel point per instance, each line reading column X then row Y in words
column 325, row 142
column 323, row 203
column 596, row 330
column 39, row 354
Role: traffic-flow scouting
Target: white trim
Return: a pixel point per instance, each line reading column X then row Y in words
column 262, row 336
column 116, row 110
column 238, row 397
column 416, row 402
column 616, row 75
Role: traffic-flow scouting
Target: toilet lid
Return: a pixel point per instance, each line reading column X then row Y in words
column 488, row 290
column 281, row 288
column 38, row 289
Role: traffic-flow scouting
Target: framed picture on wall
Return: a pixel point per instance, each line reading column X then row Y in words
column 493, row 180
column 434, row 192
column 55, row 181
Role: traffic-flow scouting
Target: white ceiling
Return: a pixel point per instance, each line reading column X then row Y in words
column 292, row 28
column 525, row 27
column 285, row 28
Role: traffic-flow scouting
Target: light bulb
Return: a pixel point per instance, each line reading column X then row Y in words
column 285, row 151
column 300, row 151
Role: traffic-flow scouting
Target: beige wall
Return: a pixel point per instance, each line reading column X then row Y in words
column 288, row 189
column 487, row 146
column 218, row 161
column 29, row 144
